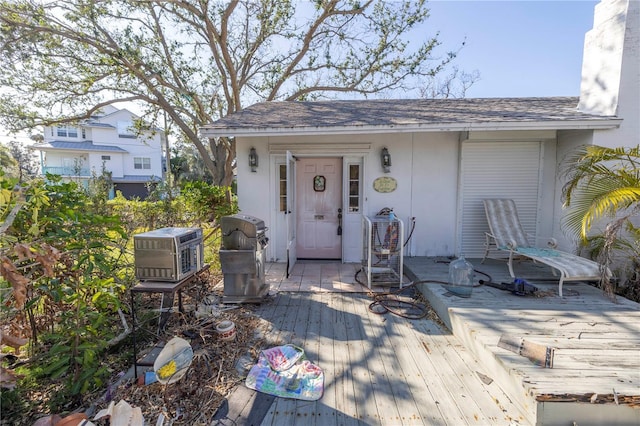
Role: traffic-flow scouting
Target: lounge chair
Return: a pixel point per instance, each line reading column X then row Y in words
column 506, row 234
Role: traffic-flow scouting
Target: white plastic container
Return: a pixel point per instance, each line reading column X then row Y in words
column 226, row 330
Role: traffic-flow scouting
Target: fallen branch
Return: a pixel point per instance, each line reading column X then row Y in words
column 14, row 341
column 122, row 335
column 21, row 201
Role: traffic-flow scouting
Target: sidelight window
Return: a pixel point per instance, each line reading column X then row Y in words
column 354, row 188
column 282, row 180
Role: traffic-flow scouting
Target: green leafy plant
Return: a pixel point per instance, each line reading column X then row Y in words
column 67, row 260
column 66, row 267
column 208, row 202
column 604, row 184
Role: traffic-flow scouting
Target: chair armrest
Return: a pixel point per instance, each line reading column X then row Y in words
column 548, row 242
column 511, row 245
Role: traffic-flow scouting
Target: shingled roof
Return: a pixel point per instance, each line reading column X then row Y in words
column 384, row 115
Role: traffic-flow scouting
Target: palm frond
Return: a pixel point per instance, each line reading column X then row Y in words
column 601, row 182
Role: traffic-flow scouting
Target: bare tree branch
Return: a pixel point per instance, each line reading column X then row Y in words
column 196, row 61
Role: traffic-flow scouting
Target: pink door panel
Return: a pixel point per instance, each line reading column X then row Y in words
column 319, row 197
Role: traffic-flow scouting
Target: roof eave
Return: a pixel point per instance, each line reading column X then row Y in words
column 608, row 123
column 51, row 148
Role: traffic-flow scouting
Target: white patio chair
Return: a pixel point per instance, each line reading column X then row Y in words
column 506, row 234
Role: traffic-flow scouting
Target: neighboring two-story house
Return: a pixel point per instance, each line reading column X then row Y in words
column 107, row 142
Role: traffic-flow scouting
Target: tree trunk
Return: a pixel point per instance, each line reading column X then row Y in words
column 223, row 150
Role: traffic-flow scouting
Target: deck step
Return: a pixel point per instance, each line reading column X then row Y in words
column 595, row 344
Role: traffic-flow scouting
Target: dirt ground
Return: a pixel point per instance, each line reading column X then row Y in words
column 218, row 365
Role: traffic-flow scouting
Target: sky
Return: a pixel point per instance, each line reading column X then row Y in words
column 520, row 48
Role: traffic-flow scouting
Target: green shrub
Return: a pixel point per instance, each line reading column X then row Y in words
column 73, row 260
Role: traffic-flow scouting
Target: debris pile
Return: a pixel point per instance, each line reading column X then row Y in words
column 212, row 373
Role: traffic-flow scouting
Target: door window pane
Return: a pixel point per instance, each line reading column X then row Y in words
column 283, row 187
column 354, row 188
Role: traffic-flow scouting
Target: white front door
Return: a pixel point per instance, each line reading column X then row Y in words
column 319, row 208
column 291, row 213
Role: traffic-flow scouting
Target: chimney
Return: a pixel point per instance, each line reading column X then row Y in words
column 611, row 62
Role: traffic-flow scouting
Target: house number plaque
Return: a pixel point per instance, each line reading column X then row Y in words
column 385, row 184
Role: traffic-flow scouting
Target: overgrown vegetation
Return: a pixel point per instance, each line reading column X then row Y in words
column 603, row 196
column 66, row 263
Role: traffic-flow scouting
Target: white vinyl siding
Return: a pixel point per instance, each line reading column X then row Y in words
column 126, row 129
column 496, row 170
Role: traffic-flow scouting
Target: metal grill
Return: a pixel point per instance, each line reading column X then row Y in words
column 242, row 258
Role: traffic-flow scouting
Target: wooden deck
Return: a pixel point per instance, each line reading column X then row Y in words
column 388, row 370
column 595, row 379
column 379, row 369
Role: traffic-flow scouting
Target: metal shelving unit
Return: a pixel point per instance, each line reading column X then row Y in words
column 382, row 250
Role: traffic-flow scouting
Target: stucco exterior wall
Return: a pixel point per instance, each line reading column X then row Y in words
column 254, row 189
column 434, row 188
column 610, row 82
column 602, row 59
column 568, row 142
column 425, row 165
column 610, row 85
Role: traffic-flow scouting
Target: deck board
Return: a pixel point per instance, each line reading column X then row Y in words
column 305, row 332
column 387, row 370
column 394, row 371
column 411, row 357
column 596, row 340
column 384, row 368
column 468, row 383
column 371, row 404
column 319, row 341
column 275, row 318
column 496, row 408
column 400, row 338
column 440, row 377
column 282, row 410
column 346, row 407
column 377, row 370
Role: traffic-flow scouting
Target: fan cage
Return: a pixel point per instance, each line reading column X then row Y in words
column 382, row 259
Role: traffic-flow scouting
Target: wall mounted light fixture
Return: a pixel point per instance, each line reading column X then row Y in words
column 253, row 159
column 385, row 160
